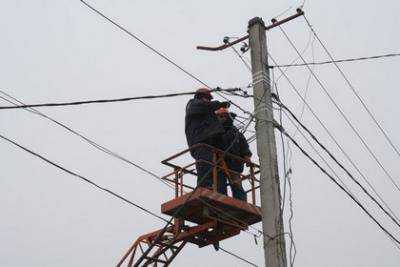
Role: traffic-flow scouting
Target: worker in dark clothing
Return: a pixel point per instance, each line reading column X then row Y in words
column 202, row 126
column 234, row 139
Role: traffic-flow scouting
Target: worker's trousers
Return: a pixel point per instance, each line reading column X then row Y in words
column 204, row 158
column 236, row 185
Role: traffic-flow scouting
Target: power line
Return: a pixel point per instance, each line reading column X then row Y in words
column 327, row 130
column 94, row 144
column 98, row 101
column 87, row 180
column 393, row 238
column 162, row 55
column 323, row 126
column 343, row 187
column 238, row 257
column 372, row 116
column 338, row 61
column 309, row 42
column 165, row 58
column 201, row 180
column 247, row 65
column 85, row 138
column 342, row 113
column 327, row 164
column 103, row 149
column 317, row 152
column 395, row 220
column 303, row 106
column 286, row 178
column 143, row 43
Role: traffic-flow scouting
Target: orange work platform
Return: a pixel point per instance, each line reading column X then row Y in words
column 201, row 216
column 205, row 204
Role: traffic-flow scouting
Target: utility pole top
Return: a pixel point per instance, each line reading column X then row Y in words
column 256, row 20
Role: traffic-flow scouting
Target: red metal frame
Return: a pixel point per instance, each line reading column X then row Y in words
column 273, row 25
column 215, row 216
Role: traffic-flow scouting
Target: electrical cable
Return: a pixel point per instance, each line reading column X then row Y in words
column 292, row 244
column 147, row 45
column 348, row 173
column 358, row 96
column 343, row 187
column 107, row 151
column 84, row 138
column 395, row 220
column 94, row 144
column 176, row 212
column 353, row 197
column 392, row 216
column 92, row 183
column 328, row 132
column 287, row 174
column 238, row 257
column 342, row 113
column 303, row 106
column 252, row 138
column 260, row 103
column 97, row 101
column 283, row 145
column 87, row 180
column 157, row 52
column 391, row 236
column 104, row 150
column 242, row 59
column 333, row 61
column 309, row 41
column 283, row 12
column 286, row 181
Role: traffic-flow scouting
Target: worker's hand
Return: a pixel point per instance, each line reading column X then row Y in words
column 225, row 104
column 247, row 159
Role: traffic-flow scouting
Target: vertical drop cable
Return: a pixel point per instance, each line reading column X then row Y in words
column 286, row 181
column 307, row 84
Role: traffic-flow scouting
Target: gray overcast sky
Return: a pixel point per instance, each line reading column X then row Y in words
column 61, row 51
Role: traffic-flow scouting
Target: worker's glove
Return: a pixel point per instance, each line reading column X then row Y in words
column 225, row 104
column 248, row 161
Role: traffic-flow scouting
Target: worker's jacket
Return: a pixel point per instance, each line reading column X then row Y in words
column 201, row 123
column 235, row 142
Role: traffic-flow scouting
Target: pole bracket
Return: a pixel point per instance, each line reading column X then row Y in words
column 275, row 23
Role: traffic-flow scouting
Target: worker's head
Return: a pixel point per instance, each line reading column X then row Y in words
column 222, row 114
column 204, row 94
column 225, row 117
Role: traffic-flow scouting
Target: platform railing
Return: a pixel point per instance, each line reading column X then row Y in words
column 218, row 164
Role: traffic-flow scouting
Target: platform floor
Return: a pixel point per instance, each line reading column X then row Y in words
column 204, row 205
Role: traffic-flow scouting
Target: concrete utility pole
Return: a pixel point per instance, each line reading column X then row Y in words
column 274, row 239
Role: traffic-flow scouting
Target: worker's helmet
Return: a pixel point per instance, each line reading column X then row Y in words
column 203, row 92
